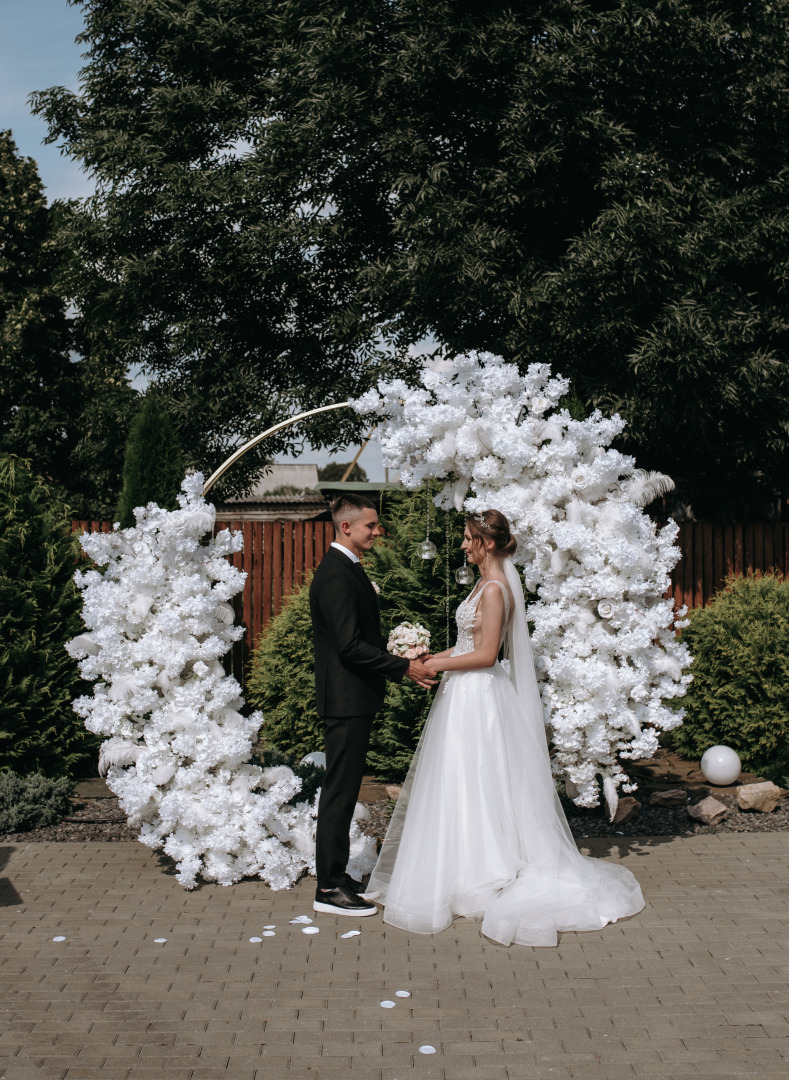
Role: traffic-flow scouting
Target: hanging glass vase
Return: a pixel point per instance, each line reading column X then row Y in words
column 464, row 575
column 427, row 549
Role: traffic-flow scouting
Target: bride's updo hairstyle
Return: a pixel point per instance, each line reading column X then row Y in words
column 492, row 525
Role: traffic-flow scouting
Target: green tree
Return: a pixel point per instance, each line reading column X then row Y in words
column 61, row 407
column 38, row 393
column 153, row 467
column 39, row 613
column 286, row 184
column 335, row 470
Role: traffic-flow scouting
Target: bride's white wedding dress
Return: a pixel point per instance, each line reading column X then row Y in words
column 478, row 829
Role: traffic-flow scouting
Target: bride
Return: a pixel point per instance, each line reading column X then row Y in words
column 478, row 829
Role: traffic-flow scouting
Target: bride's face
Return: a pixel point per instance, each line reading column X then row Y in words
column 473, row 547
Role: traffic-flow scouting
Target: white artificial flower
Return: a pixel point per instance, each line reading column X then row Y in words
column 575, row 506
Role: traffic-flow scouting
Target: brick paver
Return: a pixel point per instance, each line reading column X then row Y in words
column 694, row 986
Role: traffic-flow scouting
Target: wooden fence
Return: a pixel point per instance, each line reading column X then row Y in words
column 277, row 556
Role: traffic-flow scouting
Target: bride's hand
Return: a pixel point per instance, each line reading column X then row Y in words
column 432, row 665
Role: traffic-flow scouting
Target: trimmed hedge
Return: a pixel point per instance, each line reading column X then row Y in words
column 32, row 802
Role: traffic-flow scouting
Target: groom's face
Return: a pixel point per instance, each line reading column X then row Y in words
column 361, row 532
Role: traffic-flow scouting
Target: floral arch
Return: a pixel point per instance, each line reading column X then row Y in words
column 158, row 618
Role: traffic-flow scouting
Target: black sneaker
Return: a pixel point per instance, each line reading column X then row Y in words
column 342, row 901
column 353, row 884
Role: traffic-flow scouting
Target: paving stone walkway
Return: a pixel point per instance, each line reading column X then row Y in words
column 694, row 986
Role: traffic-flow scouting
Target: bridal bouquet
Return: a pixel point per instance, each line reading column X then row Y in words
column 409, row 640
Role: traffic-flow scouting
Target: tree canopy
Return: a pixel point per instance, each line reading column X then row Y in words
column 63, row 406
column 291, row 191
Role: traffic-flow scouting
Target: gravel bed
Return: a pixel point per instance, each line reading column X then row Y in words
column 103, row 820
column 648, row 821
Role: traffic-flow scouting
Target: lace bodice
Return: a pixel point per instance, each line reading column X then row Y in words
column 466, row 617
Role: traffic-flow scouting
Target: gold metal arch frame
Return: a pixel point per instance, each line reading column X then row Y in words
column 212, row 479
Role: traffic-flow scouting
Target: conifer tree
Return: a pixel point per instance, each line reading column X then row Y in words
column 38, row 392
column 154, row 464
column 39, row 613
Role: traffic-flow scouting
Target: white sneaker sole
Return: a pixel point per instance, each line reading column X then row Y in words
column 332, row 909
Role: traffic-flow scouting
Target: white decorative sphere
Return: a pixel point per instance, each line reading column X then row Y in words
column 721, row 765
column 317, row 757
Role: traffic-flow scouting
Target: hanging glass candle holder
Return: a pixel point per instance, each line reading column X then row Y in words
column 464, row 575
column 427, row 549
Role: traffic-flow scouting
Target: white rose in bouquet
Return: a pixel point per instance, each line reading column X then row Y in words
column 409, row 640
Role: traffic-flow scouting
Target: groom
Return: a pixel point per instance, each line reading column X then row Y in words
column 351, row 669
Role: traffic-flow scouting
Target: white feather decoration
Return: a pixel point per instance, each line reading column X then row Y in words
column 644, row 487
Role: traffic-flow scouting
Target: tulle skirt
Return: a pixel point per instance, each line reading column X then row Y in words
column 478, row 830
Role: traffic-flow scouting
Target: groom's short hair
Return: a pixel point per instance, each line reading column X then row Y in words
column 347, row 507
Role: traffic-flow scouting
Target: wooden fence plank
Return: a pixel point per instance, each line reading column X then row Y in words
column 719, row 570
column 268, row 544
column 257, row 580
column 298, row 553
column 287, row 560
column 739, row 550
column 707, row 557
column 249, row 584
column 768, row 559
column 276, row 568
column 747, row 548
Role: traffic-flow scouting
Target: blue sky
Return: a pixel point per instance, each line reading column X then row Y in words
column 38, row 50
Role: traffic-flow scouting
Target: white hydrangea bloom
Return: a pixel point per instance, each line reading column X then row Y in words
column 159, row 620
column 605, row 650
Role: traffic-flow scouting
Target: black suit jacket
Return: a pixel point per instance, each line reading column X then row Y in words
column 351, row 661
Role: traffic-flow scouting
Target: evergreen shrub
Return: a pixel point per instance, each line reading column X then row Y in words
column 39, row 613
column 154, row 464
column 281, row 682
column 739, row 696
column 32, row 802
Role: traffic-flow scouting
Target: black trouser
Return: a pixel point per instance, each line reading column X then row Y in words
column 346, row 751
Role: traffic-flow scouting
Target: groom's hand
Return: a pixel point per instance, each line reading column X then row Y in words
column 419, row 674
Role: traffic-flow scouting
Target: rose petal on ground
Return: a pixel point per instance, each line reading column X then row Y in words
column 160, row 940
column 310, row 930
column 351, row 933
column 427, row 1049
column 272, row 926
column 59, row 938
column 387, row 1004
column 256, row 939
column 301, row 919
column 402, row 993
column 269, row 933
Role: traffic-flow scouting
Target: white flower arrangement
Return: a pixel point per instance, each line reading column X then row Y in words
column 178, row 750
column 604, row 643
column 409, row 640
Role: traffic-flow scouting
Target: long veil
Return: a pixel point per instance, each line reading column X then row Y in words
column 493, row 779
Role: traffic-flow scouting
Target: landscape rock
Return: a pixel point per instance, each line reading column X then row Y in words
column 628, row 807
column 709, row 811
column 762, row 797
column 672, row 797
column 393, row 791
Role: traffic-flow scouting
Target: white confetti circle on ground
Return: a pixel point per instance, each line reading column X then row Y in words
column 59, row 938
column 301, row 919
column 310, row 930
column 387, row 1004
column 352, row 933
column 402, row 993
column 256, row 939
column 269, row 933
column 427, row 1049
column 160, row 940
